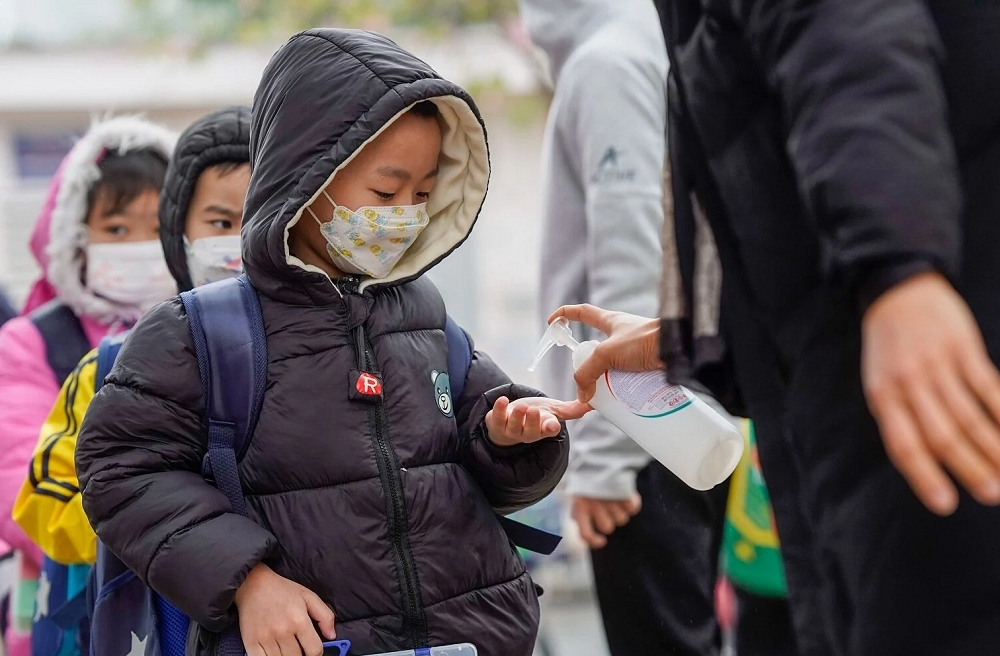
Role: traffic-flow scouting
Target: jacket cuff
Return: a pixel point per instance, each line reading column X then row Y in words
column 881, row 278
column 599, row 483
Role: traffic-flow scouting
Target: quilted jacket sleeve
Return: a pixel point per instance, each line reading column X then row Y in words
column 867, row 131
column 512, row 477
column 139, row 456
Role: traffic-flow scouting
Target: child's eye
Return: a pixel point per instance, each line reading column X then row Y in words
column 222, row 224
column 117, row 231
column 423, row 194
column 383, row 195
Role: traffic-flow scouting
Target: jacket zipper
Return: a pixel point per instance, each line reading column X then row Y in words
column 415, row 621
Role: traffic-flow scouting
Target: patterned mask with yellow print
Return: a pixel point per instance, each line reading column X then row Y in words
column 371, row 240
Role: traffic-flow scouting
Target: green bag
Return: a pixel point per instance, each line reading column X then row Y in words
column 751, row 554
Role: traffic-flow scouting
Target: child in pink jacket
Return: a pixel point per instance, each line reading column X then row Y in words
column 96, row 241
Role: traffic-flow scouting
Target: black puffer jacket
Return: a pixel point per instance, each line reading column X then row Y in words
column 221, row 137
column 386, row 511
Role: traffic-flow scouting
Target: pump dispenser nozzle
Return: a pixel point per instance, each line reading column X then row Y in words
column 557, row 334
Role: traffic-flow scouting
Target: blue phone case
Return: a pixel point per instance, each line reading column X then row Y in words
column 342, row 647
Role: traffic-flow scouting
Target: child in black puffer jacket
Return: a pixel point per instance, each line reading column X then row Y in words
column 377, row 521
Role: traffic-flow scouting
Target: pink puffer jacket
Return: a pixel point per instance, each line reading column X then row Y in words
column 28, row 386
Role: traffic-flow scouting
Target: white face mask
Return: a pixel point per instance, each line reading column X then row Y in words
column 371, row 240
column 133, row 274
column 211, row 259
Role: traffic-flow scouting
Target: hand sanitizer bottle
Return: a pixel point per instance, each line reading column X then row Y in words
column 696, row 443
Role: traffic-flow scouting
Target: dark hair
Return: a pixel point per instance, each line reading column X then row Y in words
column 225, row 168
column 426, row 109
column 125, row 177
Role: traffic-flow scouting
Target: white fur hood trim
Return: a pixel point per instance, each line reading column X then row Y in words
column 67, row 231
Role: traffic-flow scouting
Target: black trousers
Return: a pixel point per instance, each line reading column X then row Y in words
column 763, row 626
column 656, row 577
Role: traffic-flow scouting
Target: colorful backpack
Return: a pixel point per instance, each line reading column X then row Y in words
column 127, row 617
column 751, row 554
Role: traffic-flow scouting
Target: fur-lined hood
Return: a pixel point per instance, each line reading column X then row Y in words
column 60, row 235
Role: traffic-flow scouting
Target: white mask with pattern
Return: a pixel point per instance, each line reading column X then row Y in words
column 371, row 240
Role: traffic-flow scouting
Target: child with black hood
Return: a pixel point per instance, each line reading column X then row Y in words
column 375, row 521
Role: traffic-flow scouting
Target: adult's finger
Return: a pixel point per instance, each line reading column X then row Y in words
column 634, row 504
column 984, row 379
column 322, row 614
column 569, row 410
column 592, row 369
column 584, row 522
column 588, row 314
column 911, row 457
column 310, row 641
column 289, row 645
column 951, row 446
column 970, row 416
column 604, row 520
column 620, row 513
column 254, row 648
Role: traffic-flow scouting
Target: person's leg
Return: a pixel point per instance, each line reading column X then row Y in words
column 656, row 576
column 764, row 626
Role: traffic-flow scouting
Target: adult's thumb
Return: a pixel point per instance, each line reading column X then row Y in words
column 322, row 614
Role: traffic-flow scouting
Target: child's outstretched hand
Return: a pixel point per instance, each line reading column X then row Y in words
column 530, row 419
column 277, row 615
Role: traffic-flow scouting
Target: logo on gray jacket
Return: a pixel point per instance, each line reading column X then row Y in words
column 442, row 393
column 611, row 168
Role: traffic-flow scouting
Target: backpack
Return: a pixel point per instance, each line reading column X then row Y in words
column 128, row 618
column 59, row 626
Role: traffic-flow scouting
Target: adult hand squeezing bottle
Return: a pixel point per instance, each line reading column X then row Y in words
column 696, row 443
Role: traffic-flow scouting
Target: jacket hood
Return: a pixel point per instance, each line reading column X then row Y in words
column 60, row 235
column 323, row 96
column 560, row 26
column 217, row 138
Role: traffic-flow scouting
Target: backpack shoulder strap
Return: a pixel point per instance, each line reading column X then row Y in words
column 65, row 340
column 459, row 357
column 107, row 353
column 228, row 333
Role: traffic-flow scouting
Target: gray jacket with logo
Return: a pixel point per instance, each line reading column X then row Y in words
column 603, row 164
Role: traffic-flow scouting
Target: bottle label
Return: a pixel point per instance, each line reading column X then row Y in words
column 647, row 394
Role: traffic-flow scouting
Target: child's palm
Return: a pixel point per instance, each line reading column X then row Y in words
column 530, row 419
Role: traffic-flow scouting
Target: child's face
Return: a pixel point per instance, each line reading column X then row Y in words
column 216, row 208
column 399, row 167
column 139, row 220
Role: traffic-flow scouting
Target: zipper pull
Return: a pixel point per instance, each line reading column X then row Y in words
column 350, row 284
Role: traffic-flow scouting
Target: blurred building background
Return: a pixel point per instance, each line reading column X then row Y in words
column 64, row 63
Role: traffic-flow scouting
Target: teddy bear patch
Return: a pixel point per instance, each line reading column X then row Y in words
column 442, row 393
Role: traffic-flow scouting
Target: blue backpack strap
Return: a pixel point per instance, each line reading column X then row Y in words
column 65, row 340
column 459, row 363
column 107, row 353
column 228, row 333
column 459, row 357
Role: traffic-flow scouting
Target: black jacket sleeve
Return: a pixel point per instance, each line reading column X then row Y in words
column 512, row 477
column 139, row 456
column 867, row 133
